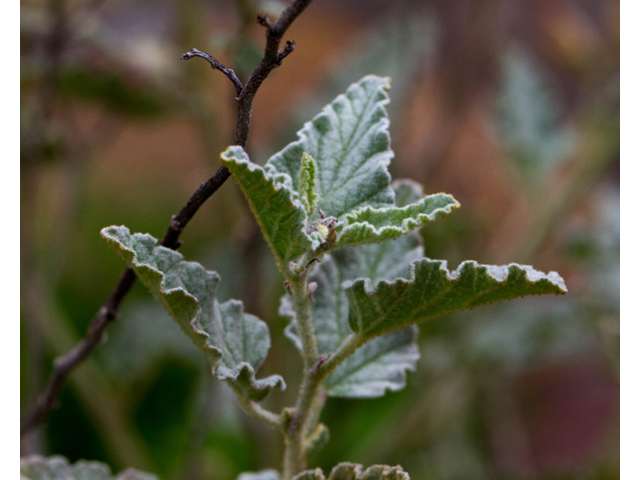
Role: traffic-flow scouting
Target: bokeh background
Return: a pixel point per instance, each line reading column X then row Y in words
column 512, row 106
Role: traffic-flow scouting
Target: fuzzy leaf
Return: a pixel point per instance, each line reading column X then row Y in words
column 381, row 364
column 277, row 209
column 372, row 225
column 351, row 471
column 56, row 467
column 261, row 475
column 433, row 291
column 310, row 475
column 339, row 164
column 235, row 343
column 307, row 184
column 317, row 439
column 349, row 141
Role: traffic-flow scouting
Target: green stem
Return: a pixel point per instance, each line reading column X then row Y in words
column 254, row 410
column 315, row 412
column 348, row 348
column 306, row 330
column 309, row 406
column 295, row 456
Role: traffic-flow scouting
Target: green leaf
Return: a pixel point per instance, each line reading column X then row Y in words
column 276, row 208
column 339, row 164
column 310, row 475
column 317, row 439
column 433, row 291
column 307, row 184
column 372, row 225
column 349, row 141
column 261, row 475
column 381, row 364
column 235, row 343
column 351, row 471
column 36, row 467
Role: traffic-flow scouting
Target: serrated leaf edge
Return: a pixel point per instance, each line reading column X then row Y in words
column 278, row 181
column 504, row 271
column 379, row 234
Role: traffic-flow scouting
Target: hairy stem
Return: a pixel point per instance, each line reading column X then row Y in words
column 295, row 456
column 255, row 411
column 315, row 412
column 306, row 330
column 348, row 348
column 311, row 398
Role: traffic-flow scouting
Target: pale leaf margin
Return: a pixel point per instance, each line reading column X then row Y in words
column 373, row 225
column 433, row 291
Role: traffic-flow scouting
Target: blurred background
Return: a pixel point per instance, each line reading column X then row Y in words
column 511, row 106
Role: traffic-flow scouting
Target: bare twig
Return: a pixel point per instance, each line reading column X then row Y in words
column 216, row 65
column 272, row 58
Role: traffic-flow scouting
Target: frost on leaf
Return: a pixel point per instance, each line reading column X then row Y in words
column 36, row 467
column 433, row 291
column 352, row 471
column 235, row 343
column 381, row 364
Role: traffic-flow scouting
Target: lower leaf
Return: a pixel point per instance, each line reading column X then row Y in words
column 235, row 343
column 36, row 467
column 261, row 475
column 352, row 471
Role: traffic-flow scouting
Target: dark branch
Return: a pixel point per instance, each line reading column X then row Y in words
column 179, row 221
column 288, row 48
column 272, row 58
column 215, row 64
column 63, row 366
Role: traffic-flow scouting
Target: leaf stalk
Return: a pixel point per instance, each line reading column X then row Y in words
column 254, row 410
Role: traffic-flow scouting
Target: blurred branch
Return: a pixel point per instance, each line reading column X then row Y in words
column 65, row 365
column 119, row 436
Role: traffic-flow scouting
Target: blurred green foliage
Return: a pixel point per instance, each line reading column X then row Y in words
column 110, row 91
